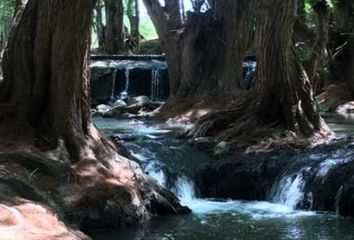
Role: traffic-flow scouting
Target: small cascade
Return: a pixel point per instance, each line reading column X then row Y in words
column 338, row 197
column 289, row 190
column 185, row 189
column 156, row 87
column 124, row 93
column 114, row 80
column 157, row 174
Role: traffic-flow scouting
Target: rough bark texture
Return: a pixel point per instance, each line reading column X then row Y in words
column 114, row 26
column 204, row 53
column 46, row 93
column 45, row 71
column 281, row 97
column 319, row 57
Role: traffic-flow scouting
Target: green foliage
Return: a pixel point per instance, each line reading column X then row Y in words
column 129, row 6
column 309, row 10
column 6, row 14
column 6, row 10
column 146, row 27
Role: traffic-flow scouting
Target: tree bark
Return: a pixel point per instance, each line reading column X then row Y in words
column 46, row 73
column 204, row 53
column 281, row 97
column 134, row 20
column 115, row 33
column 319, row 57
column 46, row 86
column 100, row 26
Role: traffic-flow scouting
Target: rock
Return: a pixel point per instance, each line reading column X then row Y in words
column 345, row 199
column 139, row 100
column 119, row 103
column 236, row 178
column 27, row 191
column 38, row 192
column 221, row 148
column 102, row 108
column 333, row 96
column 345, row 109
column 134, row 108
column 101, row 83
column 326, row 172
column 116, row 111
column 32, row 221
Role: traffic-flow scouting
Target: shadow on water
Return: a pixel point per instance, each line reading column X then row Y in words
column 171, row 161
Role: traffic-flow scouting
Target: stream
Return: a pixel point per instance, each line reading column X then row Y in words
column 172, row 161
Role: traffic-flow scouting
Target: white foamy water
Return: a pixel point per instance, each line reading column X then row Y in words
column 289, row 190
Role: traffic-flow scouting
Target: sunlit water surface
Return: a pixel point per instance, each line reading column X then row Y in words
column 211, row 219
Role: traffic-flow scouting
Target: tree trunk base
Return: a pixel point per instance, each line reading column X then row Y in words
column 190, row 109
column 244, row 130
column 102, row 190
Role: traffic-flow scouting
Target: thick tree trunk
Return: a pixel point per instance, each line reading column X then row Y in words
column 282, row 83
column 46, row 86
column 45, row 71
column 114, row 27
column 205, row 53
column 281, row 97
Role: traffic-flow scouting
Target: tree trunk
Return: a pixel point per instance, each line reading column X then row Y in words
column 114, row 27
column 319, row 57
column 46, row 73
column 46, row 85
column 134, row 20
column 205, row 53
column 99, row 26
column 281, row 97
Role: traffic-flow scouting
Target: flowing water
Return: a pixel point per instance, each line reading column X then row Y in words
column 156, row 81
column 171, row 161
column 156, row 85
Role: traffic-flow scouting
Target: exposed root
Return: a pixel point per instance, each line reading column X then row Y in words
column 101, row 189
column 245, row 129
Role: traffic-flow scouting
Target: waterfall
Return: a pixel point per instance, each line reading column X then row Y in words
column 124, row 93
column 185, row 189
column 337, row 198
column 155, row 84
column 289, row 190
column 114, row 80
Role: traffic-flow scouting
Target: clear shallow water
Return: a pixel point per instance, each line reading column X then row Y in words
column 215, row 219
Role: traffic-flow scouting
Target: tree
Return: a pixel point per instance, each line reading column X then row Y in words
column 319, row 56
column 205, row 52
column 46, row 92
column 115, row 33
column 281, row 98
column 134, row 20
column 99, row 26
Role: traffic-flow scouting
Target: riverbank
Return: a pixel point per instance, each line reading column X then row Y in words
column 284, row 209
column 46, row 196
